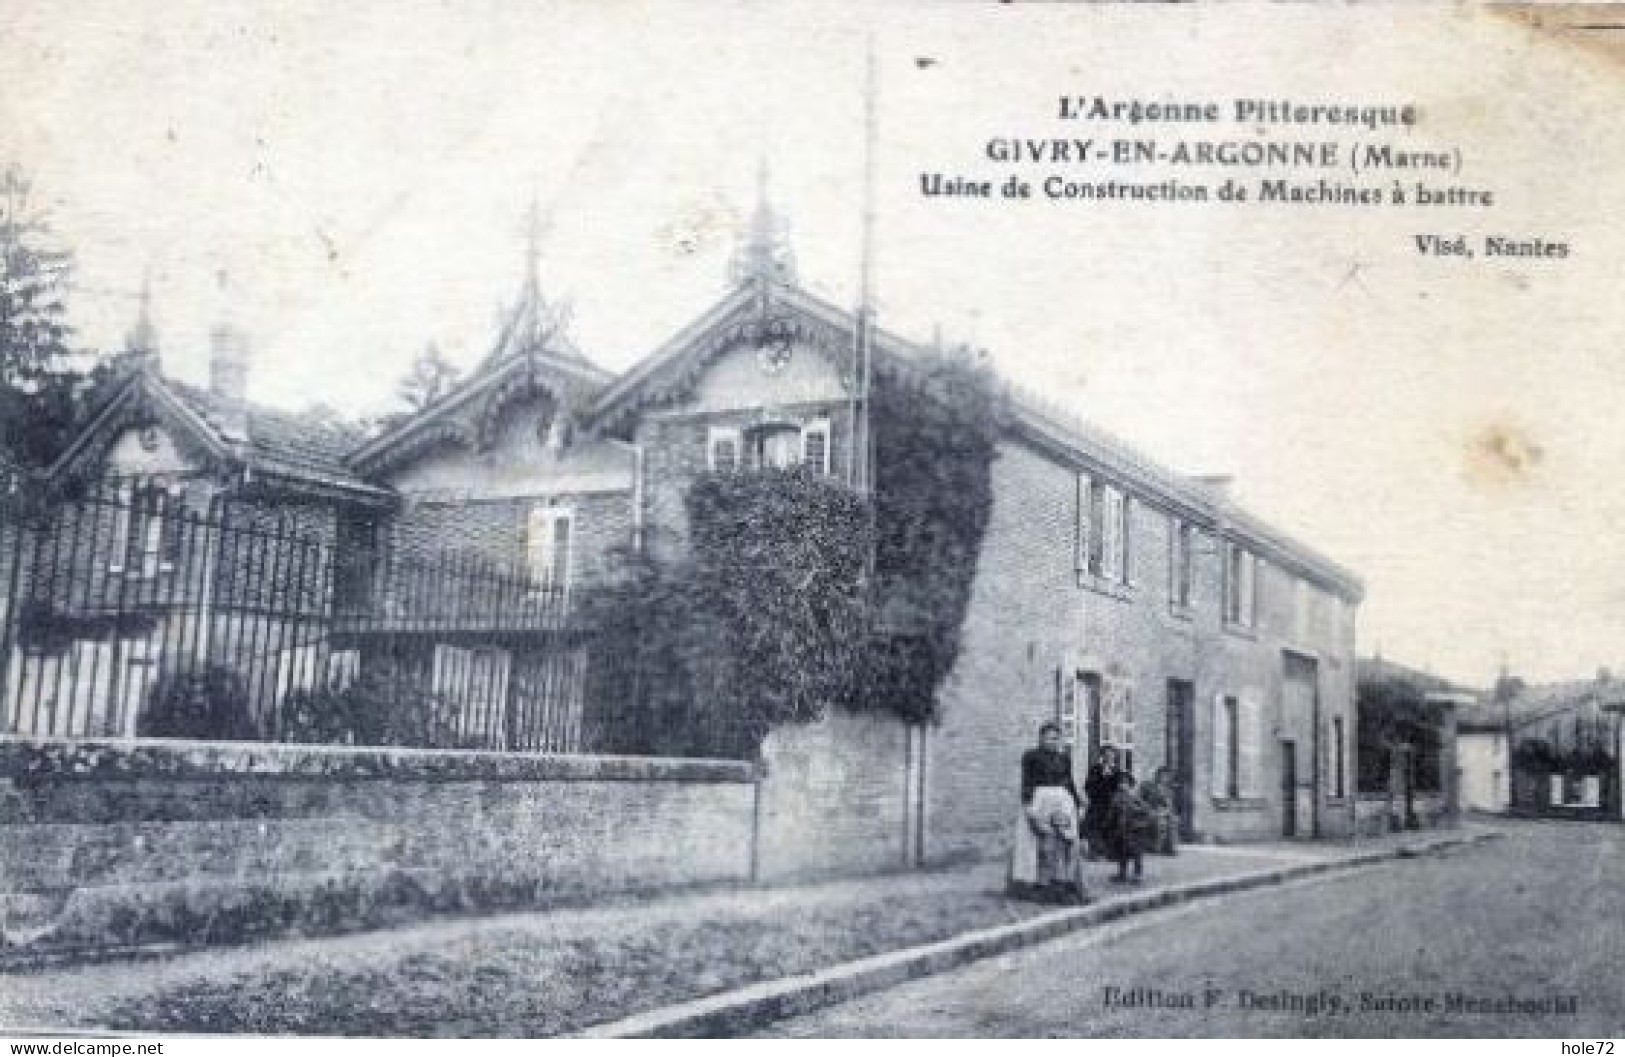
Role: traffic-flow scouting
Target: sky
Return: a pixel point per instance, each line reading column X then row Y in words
column 348, row 183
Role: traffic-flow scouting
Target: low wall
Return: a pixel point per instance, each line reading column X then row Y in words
column 834, row 797
column 103, row 821
column 1376, row 814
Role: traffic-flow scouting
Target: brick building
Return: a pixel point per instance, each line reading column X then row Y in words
column 1141, row 608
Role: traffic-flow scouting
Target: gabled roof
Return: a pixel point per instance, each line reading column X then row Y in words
column 1538, row 703
column 296, row 450
column 492, row 383
column 760, row 301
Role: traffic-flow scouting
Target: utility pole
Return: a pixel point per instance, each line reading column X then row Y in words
column 863, row 337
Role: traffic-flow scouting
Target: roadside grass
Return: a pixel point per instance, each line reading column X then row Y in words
column 525, row 981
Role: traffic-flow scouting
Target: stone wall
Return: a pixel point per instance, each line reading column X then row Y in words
column 103, row 819
column 1380, row 813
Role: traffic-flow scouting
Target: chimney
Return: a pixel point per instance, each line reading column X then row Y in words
column 228, row 380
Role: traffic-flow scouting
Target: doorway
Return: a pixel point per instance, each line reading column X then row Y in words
column 1289, row 789
column 1180, row 753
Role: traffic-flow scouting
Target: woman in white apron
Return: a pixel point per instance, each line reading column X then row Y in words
column 1046, row 862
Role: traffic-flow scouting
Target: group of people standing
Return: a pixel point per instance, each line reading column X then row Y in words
column 1113, row 818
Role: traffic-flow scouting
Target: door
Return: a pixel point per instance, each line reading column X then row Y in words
column 1289, row 789
column 1181, row 753
column 1091, row 706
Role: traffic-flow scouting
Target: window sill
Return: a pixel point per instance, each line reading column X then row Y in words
column 1241, row 631
column 1184, row 614
column 1103, row 586
column 1245, row 803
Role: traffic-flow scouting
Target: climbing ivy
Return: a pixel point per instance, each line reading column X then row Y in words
column 792, row 593
column 936, row 423
column 761, row 622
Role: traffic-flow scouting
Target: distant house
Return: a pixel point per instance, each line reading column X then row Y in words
column 1566, row 742
column 185, row 527
column 1481, row 757
column 1408, row 757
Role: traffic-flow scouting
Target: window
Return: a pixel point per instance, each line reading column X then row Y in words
column 722, row 449
column 815, row 446
column 1338, row 787
column 776, row 447
column 1117, row 719
column 147, row 527
column 548, row 545
column 1125, row 544
column 1103, row 531
column 1232, row 738
column 1235, row 745
column 1240, row 586
column 1111, row 547
column 1180, row 564
column 1066, row 704
column 1097, row 521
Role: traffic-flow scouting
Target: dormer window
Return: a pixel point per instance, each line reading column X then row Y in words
column 772, row 445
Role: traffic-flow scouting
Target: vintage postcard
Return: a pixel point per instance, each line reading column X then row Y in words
column 801, row 520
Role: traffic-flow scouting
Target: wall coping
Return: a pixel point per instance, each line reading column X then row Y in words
column 36, row 760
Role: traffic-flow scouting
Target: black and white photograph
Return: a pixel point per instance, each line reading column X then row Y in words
column 811, row 520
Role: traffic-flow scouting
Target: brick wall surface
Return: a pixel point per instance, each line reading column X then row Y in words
column 492, row 531
column 1029, row 620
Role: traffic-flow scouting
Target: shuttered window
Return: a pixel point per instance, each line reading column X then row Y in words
column 549, row 532
column 1250, row 756
column 722, row 449
column 1240, row 586
column 1126, row 541
column 1111, row 550
column 1117, row 718
column 1097, row 520
column 1179, row 564
column 1082, row 497
column 1227, row 723
column 1066, row 704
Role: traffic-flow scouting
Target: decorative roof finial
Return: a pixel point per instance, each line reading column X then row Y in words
column 764, row 253
column 533, row 251
column 141, row 343
column 534, row 324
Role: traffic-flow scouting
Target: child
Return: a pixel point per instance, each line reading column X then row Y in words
column 1132, row 827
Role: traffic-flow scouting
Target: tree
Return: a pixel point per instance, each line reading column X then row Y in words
column 41, row 390
column 431, row 377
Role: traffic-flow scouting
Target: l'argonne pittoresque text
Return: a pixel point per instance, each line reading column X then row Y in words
column 1260, row 152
